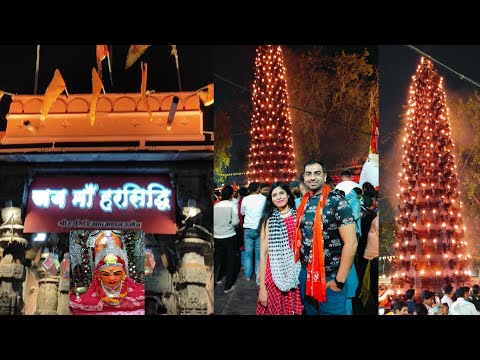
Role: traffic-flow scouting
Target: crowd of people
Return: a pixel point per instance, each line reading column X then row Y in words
column 463, row 301
column 310, row 246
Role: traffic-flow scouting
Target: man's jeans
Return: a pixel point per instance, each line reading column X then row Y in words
column 336, row 303
column 252, row 241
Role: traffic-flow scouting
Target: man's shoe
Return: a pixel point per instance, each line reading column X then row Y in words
column 229, row 290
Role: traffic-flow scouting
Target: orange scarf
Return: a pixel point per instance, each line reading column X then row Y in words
column 316, row 286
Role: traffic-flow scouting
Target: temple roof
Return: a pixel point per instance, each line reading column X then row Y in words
column 122, row 124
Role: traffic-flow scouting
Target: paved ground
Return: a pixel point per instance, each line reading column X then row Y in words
column 241, row 301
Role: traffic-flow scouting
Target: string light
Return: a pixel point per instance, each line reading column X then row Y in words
column 430, row 226
column 275, row 121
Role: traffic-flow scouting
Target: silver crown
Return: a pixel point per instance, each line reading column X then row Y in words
column 112, row 248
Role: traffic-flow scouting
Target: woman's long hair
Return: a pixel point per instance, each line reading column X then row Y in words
column 269, row 206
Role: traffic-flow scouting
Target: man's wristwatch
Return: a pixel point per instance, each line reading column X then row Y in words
column 340, row 285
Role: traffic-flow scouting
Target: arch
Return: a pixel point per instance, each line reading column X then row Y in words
column 59, row 107
column 153, row 102
column 78, row 105
column 16, row 107
column 192, row 102
column 33, row 106
column 104, row 104
column 124, row 104
column 167, row 103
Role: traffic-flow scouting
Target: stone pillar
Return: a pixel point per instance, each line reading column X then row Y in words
column 47, row 301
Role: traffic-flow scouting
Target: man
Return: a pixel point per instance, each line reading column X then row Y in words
column 264, row 188
column 330, row 183
column 462, row 306
column 252, row 208
column 400, row 308
column 303, row 191
column 428, row 299
column 346, row 175
column 410, row 293
column 325, row 243
column 295, row 189
column 447, row 298
column 474, row 298
column 224, row 224
column 439, row 309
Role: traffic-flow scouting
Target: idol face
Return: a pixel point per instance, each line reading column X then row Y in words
column 111, row 276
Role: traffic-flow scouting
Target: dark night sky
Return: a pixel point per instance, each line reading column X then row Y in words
column 398, row 63
column 397, row 66
column 75, row 62
column 236, row 63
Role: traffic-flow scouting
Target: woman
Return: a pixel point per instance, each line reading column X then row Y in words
column 279, row 292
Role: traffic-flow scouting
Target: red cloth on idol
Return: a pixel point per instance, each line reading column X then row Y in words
column 90, row 304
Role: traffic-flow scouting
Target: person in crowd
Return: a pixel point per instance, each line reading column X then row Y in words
column 295, row 189
column 112, row 291
column 347, row 187
column 400, row 308
column 224, row 224
column 264, row 189
column 235, row 197
column 360, row 263
column 252, row 209
column 439, row 309
column 359, row 194
column 303, row 191
column 474, row 298
column 279, row 292
column 242, row 193
column 410, row 293
column 420, row 309
column 368, row 195
column 384, row 297
column 325, row 244
column 346, row 175
column 461, row 306
column 393, row 303
column 217, row 196
column 448, row 297
column 428, row 299
column 369, row 290
column 329, row 182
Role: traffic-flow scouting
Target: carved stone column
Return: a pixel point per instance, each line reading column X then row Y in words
column 47, row 301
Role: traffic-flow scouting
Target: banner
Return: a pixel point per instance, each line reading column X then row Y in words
column 61, row 204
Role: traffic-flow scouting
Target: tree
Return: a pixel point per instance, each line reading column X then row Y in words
column 388, row 199
column 271, row 153
column 223, row 144
column 466, row 129
column 430, row 247
column 337, row 89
